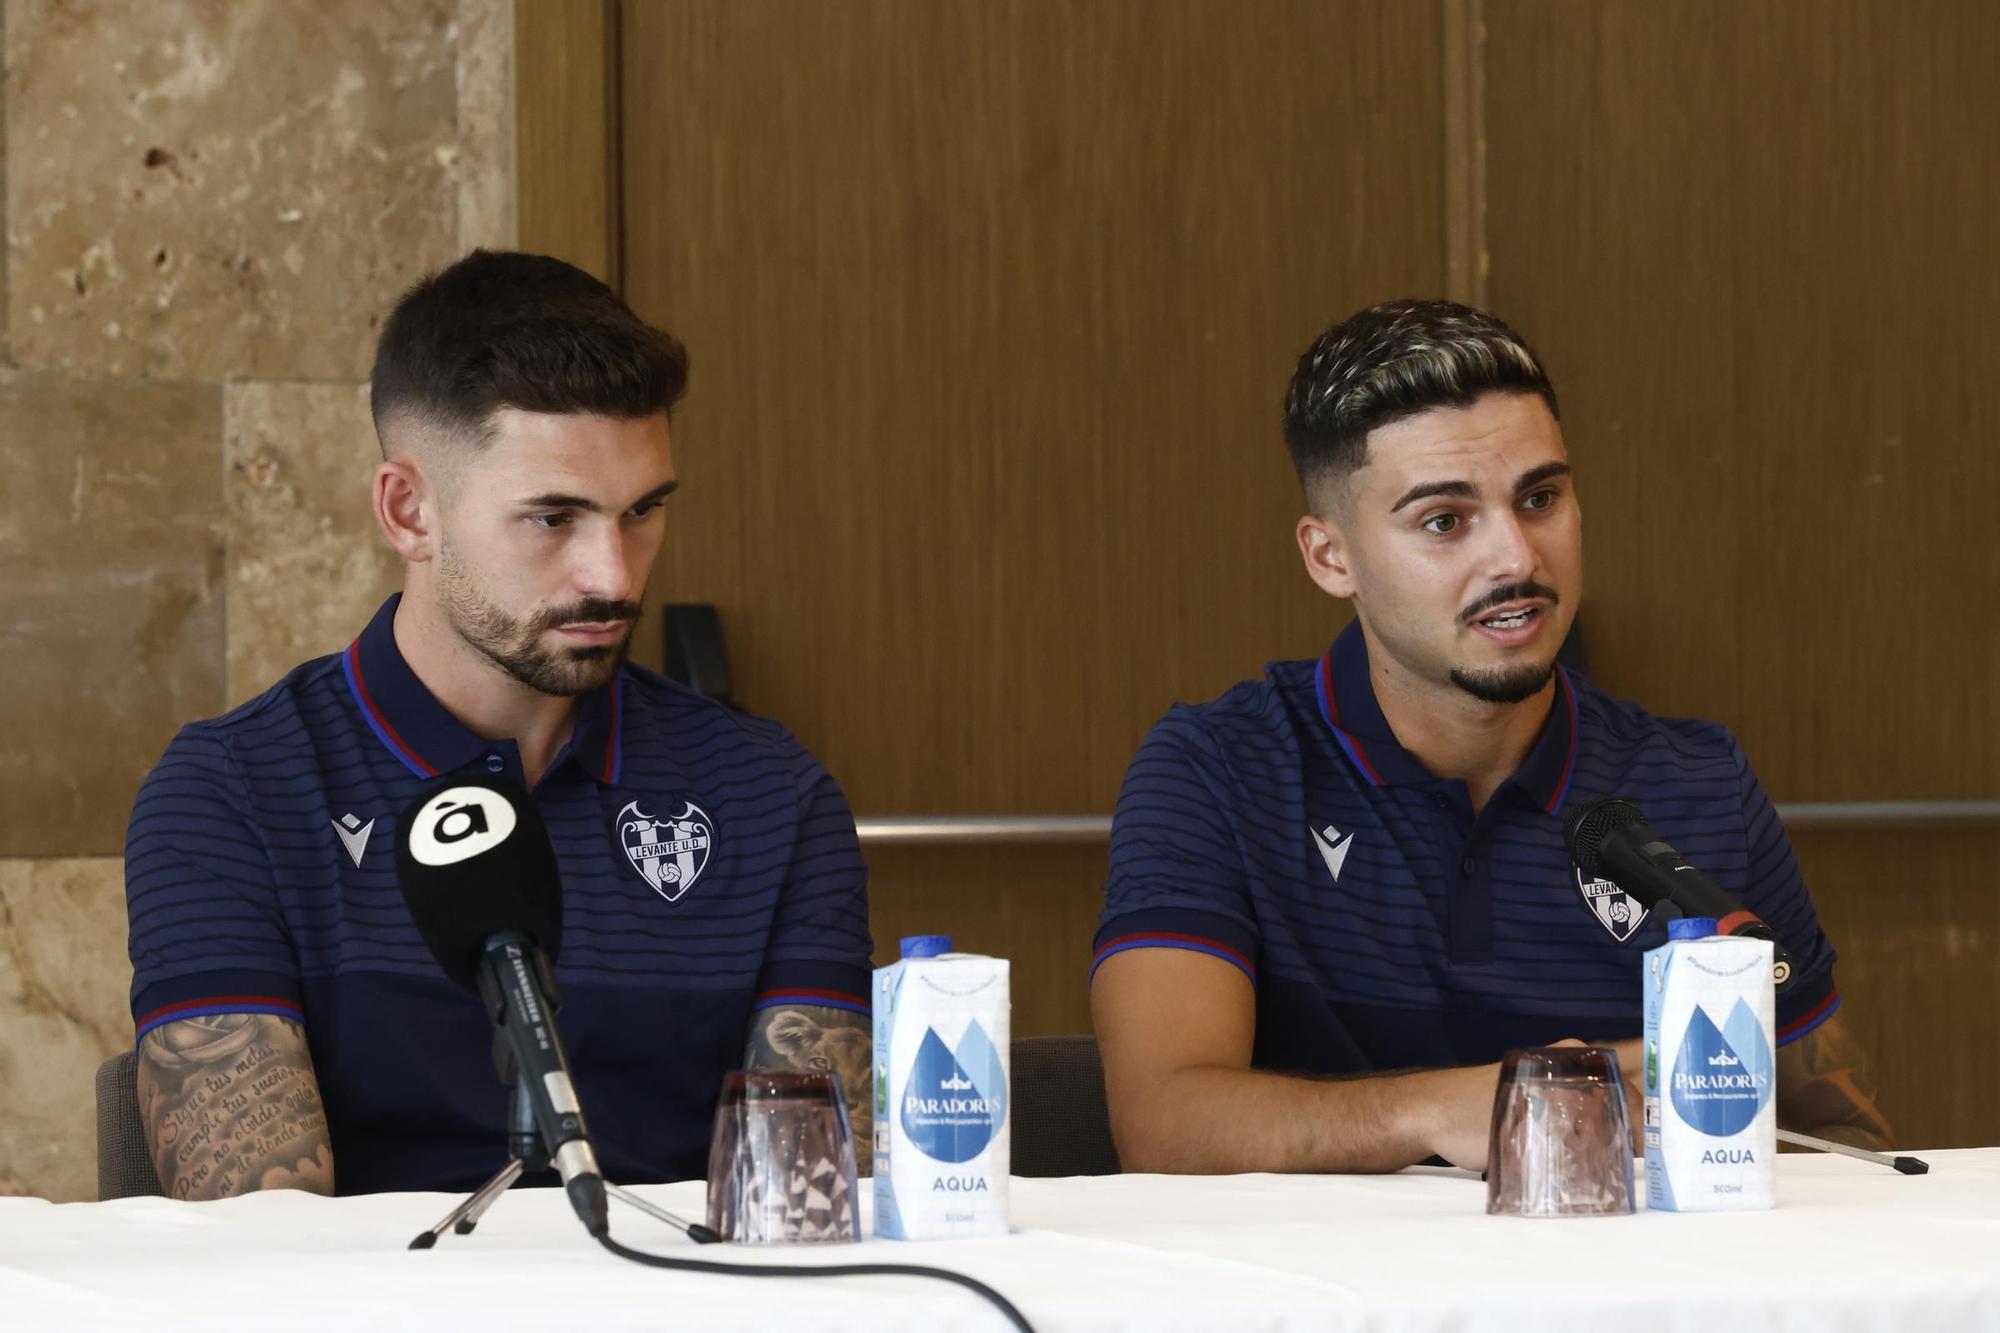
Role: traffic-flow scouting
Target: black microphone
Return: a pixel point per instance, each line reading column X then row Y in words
column 1610, row 839
column 479, row 875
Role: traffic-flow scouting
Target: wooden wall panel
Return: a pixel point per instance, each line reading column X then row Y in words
column 1916, row 919
column 567, row 131
column 1759, row 246
column 991, row 309
column 1034, row 905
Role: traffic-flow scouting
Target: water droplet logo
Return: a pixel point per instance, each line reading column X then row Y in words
column 1723, row 1076
column 954, row 1103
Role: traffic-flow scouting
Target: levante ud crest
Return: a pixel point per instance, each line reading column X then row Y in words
column 669, row 854
column 1618, row 911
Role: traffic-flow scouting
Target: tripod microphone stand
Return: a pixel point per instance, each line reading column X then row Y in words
column 525, row 1153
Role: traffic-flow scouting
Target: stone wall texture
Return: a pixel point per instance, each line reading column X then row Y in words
column 209, row 206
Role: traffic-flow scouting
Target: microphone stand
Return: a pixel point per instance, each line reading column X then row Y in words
column 1909, row 1166
column 526, row 1153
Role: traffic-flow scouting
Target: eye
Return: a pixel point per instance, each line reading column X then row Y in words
column 642, row 510
column 557, row 519
column 821, row 1063
column 1545, row 499
column 1442, row 525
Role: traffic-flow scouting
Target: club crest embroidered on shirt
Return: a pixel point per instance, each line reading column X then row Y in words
column 1618, row 911
column 669, row 854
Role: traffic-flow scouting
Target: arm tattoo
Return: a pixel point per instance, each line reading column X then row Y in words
column 1825, row 1088
column 820, row 1039
column 231, row 1105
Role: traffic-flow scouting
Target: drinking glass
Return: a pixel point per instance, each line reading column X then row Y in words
column 1561, row 1142
column 781, row 1160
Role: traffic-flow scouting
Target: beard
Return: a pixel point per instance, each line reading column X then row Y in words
column 1504, row 685
column 514, row 644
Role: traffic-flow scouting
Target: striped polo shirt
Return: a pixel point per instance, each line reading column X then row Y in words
column 1384, row 925
column 709, row 868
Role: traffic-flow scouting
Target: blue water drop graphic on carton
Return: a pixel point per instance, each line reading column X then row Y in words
column 953, row 1105
column 1721, row 1080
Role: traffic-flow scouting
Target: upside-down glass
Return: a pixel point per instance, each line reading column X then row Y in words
column 781, row 1160
column 1561, row 1143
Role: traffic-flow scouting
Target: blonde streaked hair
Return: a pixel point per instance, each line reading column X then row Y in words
column 1393, row 361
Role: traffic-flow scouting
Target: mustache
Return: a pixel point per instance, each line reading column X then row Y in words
column 1505, row 593
column 589, row 611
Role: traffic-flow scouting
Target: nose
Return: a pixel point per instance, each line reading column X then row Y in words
column 606, row 567
column 1509, row 555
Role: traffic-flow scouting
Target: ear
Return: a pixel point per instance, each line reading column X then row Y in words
column 405, row 509
column 792, row 1033
column 1327, row 555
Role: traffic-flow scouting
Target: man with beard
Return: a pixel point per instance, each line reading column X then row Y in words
column 1339, row 894
column 293, row 1029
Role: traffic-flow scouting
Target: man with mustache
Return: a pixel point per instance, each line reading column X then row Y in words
column 293, row 1029
column 1340, row 893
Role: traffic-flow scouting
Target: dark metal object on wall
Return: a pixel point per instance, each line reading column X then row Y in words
column 697, row 656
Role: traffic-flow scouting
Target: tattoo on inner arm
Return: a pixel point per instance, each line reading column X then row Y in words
column 1825, row 1088
column 231, row 1105
column 822, row 1039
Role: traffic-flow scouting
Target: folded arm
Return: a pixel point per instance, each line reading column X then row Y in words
column 821, row 1039
column 1177, row 1029
column 231, row 1105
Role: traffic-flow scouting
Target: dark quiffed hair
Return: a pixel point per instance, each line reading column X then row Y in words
column 1393, row 361
column 501, row 329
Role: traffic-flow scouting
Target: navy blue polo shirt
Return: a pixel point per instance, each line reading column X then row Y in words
column 1282, row 829
column 709, row 868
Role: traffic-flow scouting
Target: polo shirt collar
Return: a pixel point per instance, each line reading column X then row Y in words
column 1348, row 706
column 426, row 739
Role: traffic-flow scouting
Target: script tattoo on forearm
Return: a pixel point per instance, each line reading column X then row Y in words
column 1825, row 1088
column 231, row 1105
column 823, row 1040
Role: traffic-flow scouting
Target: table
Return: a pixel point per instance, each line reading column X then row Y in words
column 1850, row 1246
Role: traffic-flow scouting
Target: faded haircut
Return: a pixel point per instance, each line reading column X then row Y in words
column 1393, row 361
column 502, row 329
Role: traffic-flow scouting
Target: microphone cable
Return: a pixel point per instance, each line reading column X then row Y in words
column 999, row 1302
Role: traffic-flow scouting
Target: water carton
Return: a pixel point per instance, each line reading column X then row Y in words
column 1711, row 1075
column 941, row 1085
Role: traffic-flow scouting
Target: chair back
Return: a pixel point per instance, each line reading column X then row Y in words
column 124, row 1157
column 1061, row 1124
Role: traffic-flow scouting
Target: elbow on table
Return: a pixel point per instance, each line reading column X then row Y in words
column 1157, row 1133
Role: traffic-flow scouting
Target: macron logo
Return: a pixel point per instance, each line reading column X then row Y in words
column 354, row 836
column 1333, row 848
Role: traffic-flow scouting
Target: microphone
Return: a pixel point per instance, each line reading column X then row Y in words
column 1610, row 839
column 479, row 875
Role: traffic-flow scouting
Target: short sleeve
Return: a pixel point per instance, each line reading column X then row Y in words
column 1177, row 878
column 819, row 945
column 1775, row 891
column 205, row 932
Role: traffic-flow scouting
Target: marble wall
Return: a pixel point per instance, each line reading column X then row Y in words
column 209, row 205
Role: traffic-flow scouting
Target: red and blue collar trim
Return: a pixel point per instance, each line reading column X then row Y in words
column 371, row 713
column 427, row 740
column 1364, row 735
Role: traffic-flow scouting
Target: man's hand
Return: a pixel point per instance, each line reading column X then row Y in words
column 1462, row 1102
column 231, row 1105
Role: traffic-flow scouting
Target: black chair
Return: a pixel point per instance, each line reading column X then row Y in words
column 1061, row 1124
column 124, row 1158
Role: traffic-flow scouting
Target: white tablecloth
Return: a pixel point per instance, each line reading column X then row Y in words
column 1850, row 1246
